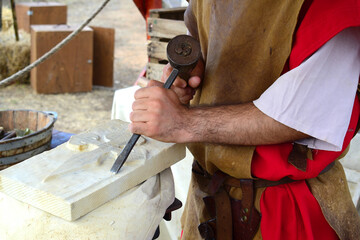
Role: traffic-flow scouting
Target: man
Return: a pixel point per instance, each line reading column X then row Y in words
column 275, row 107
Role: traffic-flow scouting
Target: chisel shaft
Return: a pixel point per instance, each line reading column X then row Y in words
column 119, row 162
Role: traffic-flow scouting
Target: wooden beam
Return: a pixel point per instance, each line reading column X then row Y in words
column 74, row 178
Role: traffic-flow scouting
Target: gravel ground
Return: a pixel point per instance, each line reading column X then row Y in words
column 80, row 111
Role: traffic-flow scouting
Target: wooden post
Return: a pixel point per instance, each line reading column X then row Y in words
column 14, row 19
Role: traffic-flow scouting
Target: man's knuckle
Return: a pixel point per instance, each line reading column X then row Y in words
column 132, row 128
column 154, row 131
column 155, row 104
column 138, row 93
column 158, row 90
column 151, row 83
column 153, row 117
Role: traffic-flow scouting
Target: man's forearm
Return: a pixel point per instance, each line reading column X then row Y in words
column 242, row 124
column 158, row 113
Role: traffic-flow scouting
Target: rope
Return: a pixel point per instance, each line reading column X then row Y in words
column 10, row 80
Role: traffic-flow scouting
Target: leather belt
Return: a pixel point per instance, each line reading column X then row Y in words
column 234, row 182
column 258, row 182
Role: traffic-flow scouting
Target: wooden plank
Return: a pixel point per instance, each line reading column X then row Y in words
column 157, row 49
column 33, row 121
column 154, row 71
column 21, row 119
column 104, row 44
column 74, row 178
column 68, row 70
column 11, row 120
column 164, row 28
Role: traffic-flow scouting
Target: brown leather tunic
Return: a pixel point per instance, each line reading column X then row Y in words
column 241, row 62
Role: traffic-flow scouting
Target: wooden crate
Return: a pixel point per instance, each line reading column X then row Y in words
column 40, row 13
column 68, row 70
column 163, row 25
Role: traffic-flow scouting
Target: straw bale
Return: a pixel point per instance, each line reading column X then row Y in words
column 14, row 55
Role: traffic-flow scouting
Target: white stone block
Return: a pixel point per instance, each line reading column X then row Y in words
column 74, row 178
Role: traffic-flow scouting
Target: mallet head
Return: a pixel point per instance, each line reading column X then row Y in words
column 183, row 53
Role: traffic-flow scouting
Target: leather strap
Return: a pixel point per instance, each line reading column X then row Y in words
column 258, row 183
column 247, row 188
column 327, row 168
column 231, row 181
column 217, row 181
column 231, row 219
column 245, row 219
column 210, row 205
column 298, row 156
column 219, row 206
column 224, row 225
column 208, row 229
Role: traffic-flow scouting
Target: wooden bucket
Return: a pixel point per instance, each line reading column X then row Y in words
column 20, row 148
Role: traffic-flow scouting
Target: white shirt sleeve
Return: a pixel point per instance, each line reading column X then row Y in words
column 317, row 97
